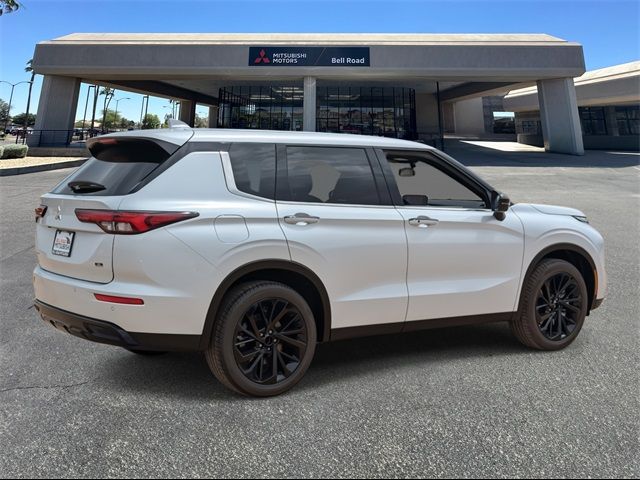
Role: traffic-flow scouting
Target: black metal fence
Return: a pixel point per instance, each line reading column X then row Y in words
column 77, row 138
column 55, row 138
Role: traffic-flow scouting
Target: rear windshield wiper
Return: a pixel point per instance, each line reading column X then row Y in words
column 85, row 187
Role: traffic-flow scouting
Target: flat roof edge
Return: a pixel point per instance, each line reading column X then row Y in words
column 306, row 38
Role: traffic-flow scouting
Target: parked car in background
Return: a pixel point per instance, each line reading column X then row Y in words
column 22, row 132
column 253, row 246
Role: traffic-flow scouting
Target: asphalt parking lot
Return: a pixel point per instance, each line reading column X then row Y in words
column 459, row 402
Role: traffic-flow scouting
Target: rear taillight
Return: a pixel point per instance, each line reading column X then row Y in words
column 41, row 211
column 131, row 223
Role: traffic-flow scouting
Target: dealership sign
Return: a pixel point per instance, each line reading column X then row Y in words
column 309, row 56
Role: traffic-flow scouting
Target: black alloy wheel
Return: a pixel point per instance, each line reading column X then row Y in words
column 263, row 340
column 553, row 305
column 558, row 306
column 270, row 341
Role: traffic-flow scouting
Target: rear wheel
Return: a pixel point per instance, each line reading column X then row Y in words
column 263, row 340
column 553, row 306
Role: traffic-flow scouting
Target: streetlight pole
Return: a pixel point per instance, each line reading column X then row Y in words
column 116, row 115
column 145, row 99
column 13, row 85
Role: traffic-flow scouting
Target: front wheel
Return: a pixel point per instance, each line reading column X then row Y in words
column 264, row 339
column 553, row 306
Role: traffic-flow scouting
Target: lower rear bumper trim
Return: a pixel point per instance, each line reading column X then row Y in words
column 108, row 333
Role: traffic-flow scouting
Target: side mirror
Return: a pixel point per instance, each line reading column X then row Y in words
column 503, row 203
column 407, row 172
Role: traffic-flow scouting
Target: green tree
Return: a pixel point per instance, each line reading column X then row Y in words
column 201, row 122
column 4, row 112
column 150, row 121
column 108, row 95
column 126, row 123
column 21, row 119
column 113, row 121
column 8, row 6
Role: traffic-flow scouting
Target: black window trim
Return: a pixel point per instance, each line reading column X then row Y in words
column 283, row 195
column 188, row 147
column 458, row 173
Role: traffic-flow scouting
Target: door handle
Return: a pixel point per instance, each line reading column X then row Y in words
column 423, row 221
column 301, row 219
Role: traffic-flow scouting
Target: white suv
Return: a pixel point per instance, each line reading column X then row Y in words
column 253, row 246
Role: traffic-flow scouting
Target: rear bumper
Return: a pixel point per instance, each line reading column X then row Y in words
column 170, row 307
column 100, row 331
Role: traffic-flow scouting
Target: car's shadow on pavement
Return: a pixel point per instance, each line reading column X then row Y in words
column 186, row 375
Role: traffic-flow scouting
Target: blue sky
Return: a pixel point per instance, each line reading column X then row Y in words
column 608, row 29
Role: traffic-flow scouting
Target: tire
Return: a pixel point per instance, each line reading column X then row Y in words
column 553, row 306
column 146, row 353
column 253, row 359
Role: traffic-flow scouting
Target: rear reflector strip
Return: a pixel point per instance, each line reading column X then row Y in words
column 121, row 300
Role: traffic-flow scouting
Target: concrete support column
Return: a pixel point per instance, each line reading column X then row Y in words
column 612, row 121
column 559, row 116
column 187, row 112
column 309, row 105
column 213, row 117
column 469, row 117
column 426, row 116
column 56, row 111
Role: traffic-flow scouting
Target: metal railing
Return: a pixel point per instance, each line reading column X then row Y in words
column 77, row 137
column 56, row 138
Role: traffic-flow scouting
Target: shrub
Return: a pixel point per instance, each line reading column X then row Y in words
column 1, row 150
column 14, row 151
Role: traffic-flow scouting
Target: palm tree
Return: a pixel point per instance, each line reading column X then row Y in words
column 108, row 95
column 8, row 6
column 29, row 69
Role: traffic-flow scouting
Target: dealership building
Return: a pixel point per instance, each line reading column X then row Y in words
column 608, row 107
column 400, row 85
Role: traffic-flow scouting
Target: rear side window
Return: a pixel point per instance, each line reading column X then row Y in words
column 254, row 168
column 117, row 167
column 330, row 175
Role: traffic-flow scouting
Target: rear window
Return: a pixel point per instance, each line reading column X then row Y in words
column 117, row 167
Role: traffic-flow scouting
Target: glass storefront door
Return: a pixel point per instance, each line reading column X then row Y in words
column 381, row 111
column 260, row 107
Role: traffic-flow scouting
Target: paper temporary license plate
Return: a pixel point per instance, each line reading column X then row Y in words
column 63, row 243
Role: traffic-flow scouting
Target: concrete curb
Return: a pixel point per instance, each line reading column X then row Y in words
column 6, row 172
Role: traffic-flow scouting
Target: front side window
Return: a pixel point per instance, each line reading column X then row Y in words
column 254, row 168
column 421, row 183
column 329, row 175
